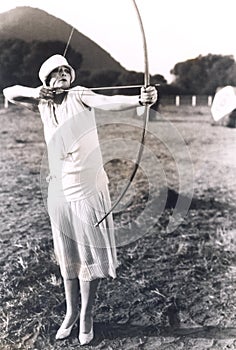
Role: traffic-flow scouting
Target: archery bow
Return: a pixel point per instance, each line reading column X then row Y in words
column 145, row 122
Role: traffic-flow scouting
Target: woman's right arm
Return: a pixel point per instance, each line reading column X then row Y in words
column 23, row 95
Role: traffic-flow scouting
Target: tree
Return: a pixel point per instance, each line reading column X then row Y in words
column 130, row 78
column 105, row 77
column 222, row 73
column 39, row 52
column 20, row 61
column 12, row 54
column 203, row 74
column 158, row 79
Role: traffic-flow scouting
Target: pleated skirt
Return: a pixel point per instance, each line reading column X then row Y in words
column 82, row 250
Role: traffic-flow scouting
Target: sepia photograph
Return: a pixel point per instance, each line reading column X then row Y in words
column 118, row 168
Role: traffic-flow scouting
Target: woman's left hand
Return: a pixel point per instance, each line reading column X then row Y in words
column 148, row 95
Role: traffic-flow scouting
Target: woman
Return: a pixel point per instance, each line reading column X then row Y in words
column 78, row 187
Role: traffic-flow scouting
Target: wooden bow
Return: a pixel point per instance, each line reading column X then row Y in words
column 145, row 121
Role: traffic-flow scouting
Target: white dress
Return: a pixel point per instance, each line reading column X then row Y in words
column 78, row 190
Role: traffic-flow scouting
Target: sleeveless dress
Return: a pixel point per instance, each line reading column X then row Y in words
column 78, row 193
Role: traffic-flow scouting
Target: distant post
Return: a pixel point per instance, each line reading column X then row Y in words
column 177, row 100
column 209, row 102
column 5, row 102
column 194, row 101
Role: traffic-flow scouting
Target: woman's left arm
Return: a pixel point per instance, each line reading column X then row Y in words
column 119, row 102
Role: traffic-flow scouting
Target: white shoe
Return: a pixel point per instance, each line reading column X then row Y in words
column 63, row 332
column 86, row 338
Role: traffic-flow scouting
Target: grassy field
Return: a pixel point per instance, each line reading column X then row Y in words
column 175, row 230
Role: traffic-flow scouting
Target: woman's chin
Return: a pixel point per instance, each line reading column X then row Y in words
column 62, row 85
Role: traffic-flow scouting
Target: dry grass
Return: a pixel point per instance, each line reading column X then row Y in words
column 163, row 276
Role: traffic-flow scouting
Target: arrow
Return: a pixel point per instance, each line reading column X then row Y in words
column 104, row 88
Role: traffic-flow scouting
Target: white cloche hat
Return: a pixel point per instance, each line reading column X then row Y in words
column 52, row 63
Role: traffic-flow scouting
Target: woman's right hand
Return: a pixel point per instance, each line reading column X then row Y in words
column 46, row 93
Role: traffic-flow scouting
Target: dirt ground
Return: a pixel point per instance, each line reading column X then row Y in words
column 175, row 286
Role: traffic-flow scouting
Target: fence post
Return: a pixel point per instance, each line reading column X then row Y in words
column 194, row 101
column 5, row 102
column 177, row 100
column 209, row 101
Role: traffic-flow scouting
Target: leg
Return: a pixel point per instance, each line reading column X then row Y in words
column 71, row 294
column 88, row 292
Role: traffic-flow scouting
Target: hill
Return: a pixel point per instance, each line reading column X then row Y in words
column 30, row 24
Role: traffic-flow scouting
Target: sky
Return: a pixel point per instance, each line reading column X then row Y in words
column 176, row 30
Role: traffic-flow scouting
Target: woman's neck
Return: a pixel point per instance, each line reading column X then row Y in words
column 58, row 98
